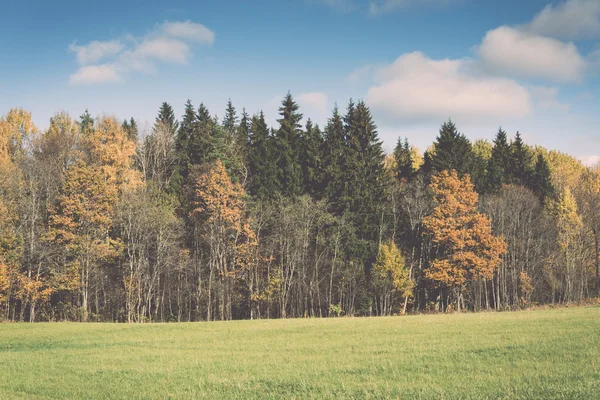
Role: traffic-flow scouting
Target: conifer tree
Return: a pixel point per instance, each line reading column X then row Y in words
column 86, row 122
column 519, row 170
column 182, row 143
column 261, row 161
column 541, row 179
column 453, row 151
column 288, row 140
column 499, row 162
column 366, row 185
column 333, row 173
column 166, row 116
column 405, row 165
column 310, row 157
column 243, row 129
column 230, row 120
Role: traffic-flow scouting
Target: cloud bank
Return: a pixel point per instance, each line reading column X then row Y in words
column 111, row 61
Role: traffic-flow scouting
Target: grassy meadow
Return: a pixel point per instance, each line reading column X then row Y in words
column 521, row 355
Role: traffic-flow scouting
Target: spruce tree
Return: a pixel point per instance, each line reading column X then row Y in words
column 230, row 120
column 366, row 186
column 200, row 146
column 166, row 116
column 182, row 143
column 310, row 157
column 333, row 180
column 243, row 129
column 453, row 151
column 261, row 161
column 404, row 160
column 131, row 128
column 541, row 181
column 86, row 122
column 288, row 138
column 498, row 163
column 519, row 164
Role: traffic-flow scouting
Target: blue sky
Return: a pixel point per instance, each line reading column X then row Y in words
column 528, row 65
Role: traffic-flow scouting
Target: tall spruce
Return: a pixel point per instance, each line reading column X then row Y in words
column 261, row 161
column 498, row 163
column 519, row 163
column 310, row 157
column 288, row 140
column 230, row 120
column 182, row 142
column 333, row 172
column 166, row 117
column 403, row 156
column 366, row 186
column 200, row 146
column 540, row 181
column 452, row 151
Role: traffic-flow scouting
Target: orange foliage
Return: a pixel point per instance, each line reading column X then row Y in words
column 466, row 248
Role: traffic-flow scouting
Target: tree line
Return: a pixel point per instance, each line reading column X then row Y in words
column 204, row 218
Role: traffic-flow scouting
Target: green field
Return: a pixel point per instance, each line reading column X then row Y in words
column 536, row 354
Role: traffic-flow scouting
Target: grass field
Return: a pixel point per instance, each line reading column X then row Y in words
column 536, row 354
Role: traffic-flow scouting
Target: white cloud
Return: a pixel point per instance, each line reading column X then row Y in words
column 313, row 101
column 377, row 7
column 163, row 49
column 95, row 74
column 546, row 98
column 96, row 51
column 590, row 161
column 571, row 19
column 360, row 73
column 511, row 51
column 166, row 43
column 188, row 30
column 415, row 87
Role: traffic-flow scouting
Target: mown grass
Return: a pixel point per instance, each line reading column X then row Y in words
column 536, row 354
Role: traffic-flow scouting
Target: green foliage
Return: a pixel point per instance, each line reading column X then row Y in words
column 453, row 151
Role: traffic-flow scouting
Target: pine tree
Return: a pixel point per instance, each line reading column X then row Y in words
column 288, row 138
column 333, row 173
column 243, row 129
column 453, row 151
column 131, row 128
column 261, row 160
column 166, row 116
column 86, row 122
column 498, row 163
column 405, row 165
column 519, row 164
column 366, row 185
column 182, row 143
column 230, row 120
column 310, row 157
column 200, row 146
column 541, row 180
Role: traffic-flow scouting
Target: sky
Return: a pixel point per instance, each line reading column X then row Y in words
column 529, row 66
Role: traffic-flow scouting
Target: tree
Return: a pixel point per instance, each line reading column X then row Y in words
column 261, row 161
column 166, row 117
column 182, row 149
column 310, row 157
column 519, row 162
column 219, row 207
column 465, row 248
column 131, row 128
column 333, row 178
column 391, row 276
column 289, row 170
column 499, row 162
column 453, row 151
column 80, row 222
column 541, row 179
column 230, row 120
